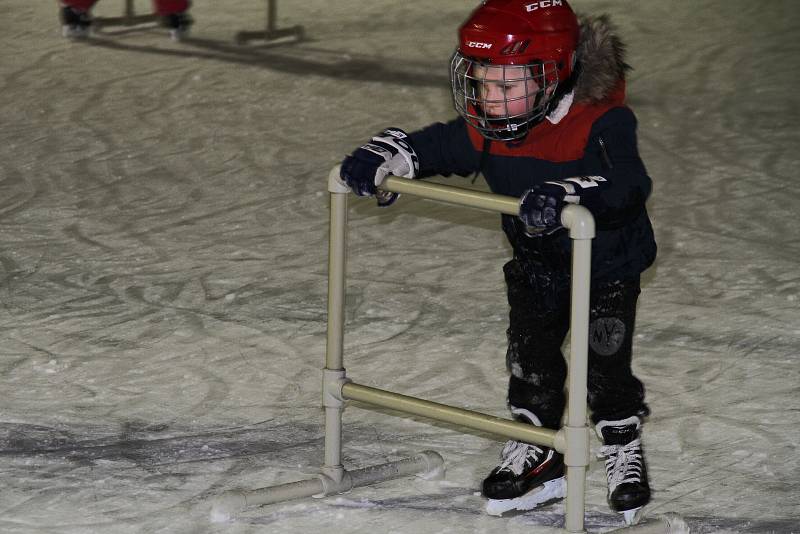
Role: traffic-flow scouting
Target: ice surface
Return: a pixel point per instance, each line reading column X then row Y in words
column 163, row 241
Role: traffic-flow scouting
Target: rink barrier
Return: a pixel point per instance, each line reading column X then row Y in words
column 271, row 32
column 572, row 440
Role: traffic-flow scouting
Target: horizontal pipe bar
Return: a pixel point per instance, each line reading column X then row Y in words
column 449, row 414
column 428, row 464
column 453, row 195
column 228, row 504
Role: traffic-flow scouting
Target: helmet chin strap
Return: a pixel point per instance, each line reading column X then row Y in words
column 554, row 116
column 507, row 130
column 526, row 125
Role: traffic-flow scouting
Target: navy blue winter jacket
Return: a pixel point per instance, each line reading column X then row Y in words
column 592, row 140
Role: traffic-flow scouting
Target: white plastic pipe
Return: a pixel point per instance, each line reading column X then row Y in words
column 580, row 223
column 451, row 414
column 337, row 255
column 573, row 438
column 428, row 464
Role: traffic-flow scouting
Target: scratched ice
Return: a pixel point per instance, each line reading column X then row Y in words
column 163, row 241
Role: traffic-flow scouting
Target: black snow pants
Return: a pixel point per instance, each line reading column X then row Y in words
column 539, row 321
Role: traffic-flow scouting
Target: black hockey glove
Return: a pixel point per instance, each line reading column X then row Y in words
column 540, row 207
column 387, row 153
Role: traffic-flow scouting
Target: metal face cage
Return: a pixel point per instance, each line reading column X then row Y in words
column 502, row 102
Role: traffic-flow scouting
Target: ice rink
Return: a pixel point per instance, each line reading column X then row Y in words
column 163, row 263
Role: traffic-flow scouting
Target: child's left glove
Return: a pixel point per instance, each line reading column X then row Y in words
column 540, row 207
column 389, row 152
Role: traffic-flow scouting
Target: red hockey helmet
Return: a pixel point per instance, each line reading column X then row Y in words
column 512, row 54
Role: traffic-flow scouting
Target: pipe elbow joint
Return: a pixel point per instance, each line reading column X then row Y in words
column 335, row 182
column 579, row 220
column 339, row 481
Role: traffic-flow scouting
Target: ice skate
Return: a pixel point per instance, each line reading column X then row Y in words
column 75, row 23
column 178, row 25
column 626, row 470
column 527, row 476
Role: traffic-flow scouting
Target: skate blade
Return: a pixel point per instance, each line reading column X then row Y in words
column 632, row 517
column 550, row 490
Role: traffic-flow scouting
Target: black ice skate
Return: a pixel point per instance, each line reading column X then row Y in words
column 527, row 476
column 628, row 488
column 178, row 25
column 75, row 23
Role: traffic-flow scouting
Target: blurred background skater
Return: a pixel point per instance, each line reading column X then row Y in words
column 76, row 17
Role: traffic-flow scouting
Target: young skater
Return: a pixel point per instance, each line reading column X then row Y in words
column 542, row 115
column 76, row 18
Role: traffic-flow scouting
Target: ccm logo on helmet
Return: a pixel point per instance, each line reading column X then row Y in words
column 544, row 3
column 476, row 44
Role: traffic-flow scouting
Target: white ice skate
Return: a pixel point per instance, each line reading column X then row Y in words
column 626, row 470
column 527, row 476
column 550, row 490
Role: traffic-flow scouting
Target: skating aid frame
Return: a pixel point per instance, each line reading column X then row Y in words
column 129, row 18
column 271, row 32
column 572, row 440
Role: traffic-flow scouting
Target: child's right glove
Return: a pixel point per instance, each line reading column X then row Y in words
column 389, row 152
column 540, row 207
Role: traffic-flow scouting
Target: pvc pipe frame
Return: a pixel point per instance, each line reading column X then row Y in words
column 572, row 440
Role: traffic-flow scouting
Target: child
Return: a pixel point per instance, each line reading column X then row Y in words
column 76, row 16
column 540, row 99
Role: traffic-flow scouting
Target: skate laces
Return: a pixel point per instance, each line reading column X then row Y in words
column 623, row 463
column 517, row 456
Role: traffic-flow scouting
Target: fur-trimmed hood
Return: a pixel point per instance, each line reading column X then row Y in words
column 601, row 59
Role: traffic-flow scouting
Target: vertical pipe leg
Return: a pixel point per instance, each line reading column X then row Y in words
column 577, row 456
column 336, row 280
column 333, row 443
column 576, row 430
column 335, row 341
column 576, row 491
